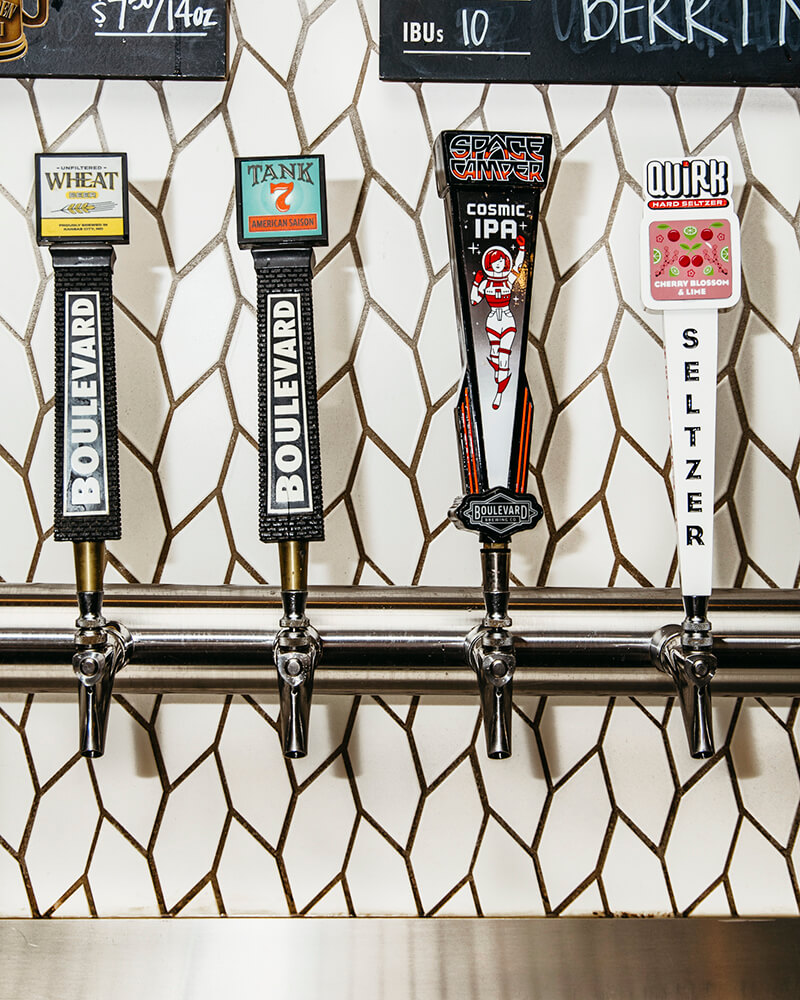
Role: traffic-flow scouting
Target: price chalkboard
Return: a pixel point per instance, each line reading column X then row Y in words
column 592, row 41
column 150, row 39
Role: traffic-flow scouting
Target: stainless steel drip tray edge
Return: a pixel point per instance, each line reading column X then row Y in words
column 388, row 958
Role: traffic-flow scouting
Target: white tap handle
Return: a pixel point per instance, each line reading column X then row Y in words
column 690, row 343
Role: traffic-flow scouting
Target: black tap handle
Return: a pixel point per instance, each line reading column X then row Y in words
column 87, row 501
column 290, row 475
column 491, row 183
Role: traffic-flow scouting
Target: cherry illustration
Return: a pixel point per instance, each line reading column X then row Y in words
column 683, row 260
column 673, row 235
column 706, row 235
column 697, row 260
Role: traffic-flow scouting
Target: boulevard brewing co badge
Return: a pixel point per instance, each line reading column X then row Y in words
column 82, row 198
column 281, row 201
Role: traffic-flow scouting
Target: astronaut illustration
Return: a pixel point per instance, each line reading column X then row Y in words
column 494, row 284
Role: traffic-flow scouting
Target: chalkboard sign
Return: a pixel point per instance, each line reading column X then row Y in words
column 150, row 39
column 592, row 41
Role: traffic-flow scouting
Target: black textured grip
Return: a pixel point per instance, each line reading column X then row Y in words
column 290, row 477
column 87, row 503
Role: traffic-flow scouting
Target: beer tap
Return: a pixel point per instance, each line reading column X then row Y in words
column 690, row 269
column 491, row 183
column 81, row 211
column 281, row 216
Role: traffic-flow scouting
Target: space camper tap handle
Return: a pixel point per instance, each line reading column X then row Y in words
column 491, row 183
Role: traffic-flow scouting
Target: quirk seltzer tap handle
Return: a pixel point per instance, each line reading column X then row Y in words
column 690, row 270
column 281, row 216
column 491, row 183
column 81, row 211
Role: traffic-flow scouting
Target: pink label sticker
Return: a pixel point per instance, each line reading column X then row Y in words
column 690, row 259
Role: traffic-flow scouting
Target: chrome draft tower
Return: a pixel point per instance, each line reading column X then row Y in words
column 81, row 211
column 491, row 183
column 281, row 216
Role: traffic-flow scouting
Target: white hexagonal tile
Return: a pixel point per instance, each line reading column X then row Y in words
column 637, row 762
column 579, row 452
column 392, row 258
column 330, row 715
column 20, row 270
column 400, row 154
column 770, row 389
column 569, row 730
column 759, row 877
column 12, row 888
column 208, row 155
column 706, row 816
column 767, row 112
column 389, row 895
column 198, row 321
column 636, row 368
column 729, row 436
column 197, row 441
column 515, row 107
column 452, row 557
column 248, row 128
column 764, row 762
column 446, row 836
column 442, row 735
column 582, row 193
column 344, row 177
column 16, row 158
column 240, row 492
column 376, row 478
column 18, row 534
column 142, row 277
column 189, row 105
column 314, row 852
column 189, row 834
column 726, row 145
column 505, row 876
column 255, row 771
column 516, row 788
column 16, row 787
column 581, row 324
column 141, row 395
column 438, row 473
column 624, row 244
column 642, row 516
column 127, row 775
column 327, row 75
column 438, row 341
column 143, row 529
column 199, row 554
column 62, row 102
column 120, row 878
column 241, row 363
column 434, row 227
column 333, row 562
column 248, row 877
column 186, row 726
column 67, row 814
column 766, row 508
column 770, row 259
column 575, row 107
column 574, row 832
column 633, row 878
column 132, row 121
column 721, row 714
column 340, row 432
column 646, row 127
column 18, row 404
column 703, row 109
column 584, row 556
column 387, row 781
column 451, row 107
column 274, row 38
column 338, row 309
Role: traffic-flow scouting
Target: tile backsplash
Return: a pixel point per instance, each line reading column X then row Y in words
column 193, row 810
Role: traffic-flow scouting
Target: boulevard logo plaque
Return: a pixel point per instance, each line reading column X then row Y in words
column 82, row 197
column 287, row 444
column 497, row 513
column 85, row 475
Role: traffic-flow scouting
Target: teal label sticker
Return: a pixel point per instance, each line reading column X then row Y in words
column 281, row 199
